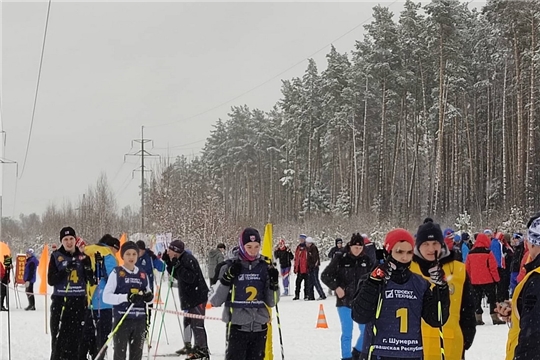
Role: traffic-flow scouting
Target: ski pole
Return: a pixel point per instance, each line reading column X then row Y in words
column 439, row 313
column 9, row 319
column 163, row 315
column 115, row 330
column 157, row 308
column 279, row 325
column 178, row 317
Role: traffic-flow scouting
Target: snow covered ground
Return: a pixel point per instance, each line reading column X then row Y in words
column 301, row 339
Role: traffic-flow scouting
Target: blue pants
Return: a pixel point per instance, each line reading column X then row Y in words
column 285, row 277
column 345, row 317
column 314, row 283
column 513, row 281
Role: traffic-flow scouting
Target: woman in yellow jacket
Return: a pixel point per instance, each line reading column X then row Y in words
column 460, row 329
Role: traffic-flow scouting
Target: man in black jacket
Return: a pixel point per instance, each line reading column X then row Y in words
column 284, row 254
column 193, row 292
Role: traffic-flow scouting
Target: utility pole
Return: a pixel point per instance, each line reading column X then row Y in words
column 142, row 153
column 2, row 162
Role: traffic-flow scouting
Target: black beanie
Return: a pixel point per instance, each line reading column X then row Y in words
column 429, row 231
column 177, row 246
column 128, row 245
column 111, row 241
column 250, row 235
column 141, row 245
column 339, row 241
column 356, row 239
column 67, row 231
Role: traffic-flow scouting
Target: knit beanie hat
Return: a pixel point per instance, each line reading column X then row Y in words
column 247, row 236
column 395, row 236
column 429, row 231
column 128, row 245
column 339, row 241
column 356, row 239
column 111, row 241
column 177, row 246
column 67, row 231
column 533, row 232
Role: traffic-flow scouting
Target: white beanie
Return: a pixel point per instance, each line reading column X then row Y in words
column 309, row 240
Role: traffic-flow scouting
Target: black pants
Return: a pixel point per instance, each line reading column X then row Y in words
column 196, row 326
column 3, row 293
column 30, row 295
column 479, row 292
column 66, row 326
column 299, row 279
column 314, row 283
column 245, row 345
column 132, row 332
column 97, row 326
column 503, row 286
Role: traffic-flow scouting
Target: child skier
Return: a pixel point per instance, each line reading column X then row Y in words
column 247, row 286
column 393, row 301
column 127, row 287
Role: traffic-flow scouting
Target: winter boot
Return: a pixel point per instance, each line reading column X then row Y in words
column 356, row 355
column 3, row 309
column 496, row 320
column 185, row 350
column 479, row 320
column 30, row 307
column 198, row 353
column 296, row 298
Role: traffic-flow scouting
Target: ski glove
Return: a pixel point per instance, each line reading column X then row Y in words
column 136, row 298
column 99, row 258
column 89, row 273
column 148, row 296
column 273, row 275
column 436, row 275
column 383, row 271
column 231, row 273
column 71, row 265
column 8, row 260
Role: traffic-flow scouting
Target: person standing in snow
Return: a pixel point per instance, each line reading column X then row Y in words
column 215, row 256
column 249, row 286
column 461, row 249
column 29, row 277
column 128, row 291
column 285, row 257
column 314, row 262
column 524, row 310
column 430, row 251
column 519, row 251
column 69, row 273
column 343, row 275
column 193, row 292
column 5, row 268
column 338, row 246
column 393, row 301
column 301, row 268
column 482, row 270
column 147, row 262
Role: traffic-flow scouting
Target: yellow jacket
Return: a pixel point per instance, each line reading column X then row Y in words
column 453, row 337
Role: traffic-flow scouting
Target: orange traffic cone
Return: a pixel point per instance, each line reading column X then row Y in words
column 321, row 320
column 157, row 297
column 208, row 306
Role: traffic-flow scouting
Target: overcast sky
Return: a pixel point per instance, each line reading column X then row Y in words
column 110, row 68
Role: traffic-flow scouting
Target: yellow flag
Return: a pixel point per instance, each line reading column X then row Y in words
column 42, row 270
column 267, row 251
column 118, row 256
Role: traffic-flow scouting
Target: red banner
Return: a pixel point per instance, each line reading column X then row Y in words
column 19, row 270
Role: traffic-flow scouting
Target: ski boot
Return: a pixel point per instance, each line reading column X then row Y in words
column 356, row 355
column 185, row 350
column 30, row 307
column 479, row 320
column 198, row 353
column 3, row 308
column 496, row 320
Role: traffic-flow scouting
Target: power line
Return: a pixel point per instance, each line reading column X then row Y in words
column 37, row 90
column 272, row 78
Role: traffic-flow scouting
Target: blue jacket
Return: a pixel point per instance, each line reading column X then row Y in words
column 496, row 249
column 147, row 264
column 30, row 269
column 110, row 262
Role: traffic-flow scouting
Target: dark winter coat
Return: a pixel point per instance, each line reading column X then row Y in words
column 364, row 305
column 56, row 276
column 345, row 271
column 192, row 287
column 519, row 250
column 285, row 256
column 147, row 263
column 481, row 264
column 301, row 259
column 528, row 306
column 30, row 269
column 313, row 258
column 333, row 251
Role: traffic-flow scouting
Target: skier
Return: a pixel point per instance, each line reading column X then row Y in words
column 147, row 262
column 99, row 316
column 69, row 272
column 460, row 329
column 524, row 312
column 336, row 248
column 314, row 262
column 342, row 275
column 4, row 280
column 461, row 249
column 29, row 277
column 215, row 256
column 482, row 270
column 127, row 290
column 301, row 268
column 284, row 254
column 193, row 292
column 393, row 301
column 248, row 286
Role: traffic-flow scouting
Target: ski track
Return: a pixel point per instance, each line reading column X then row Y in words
column 301, row 339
